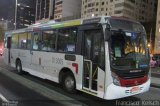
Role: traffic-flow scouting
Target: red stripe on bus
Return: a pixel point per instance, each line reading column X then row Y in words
column 133, row 82
column 76, row 67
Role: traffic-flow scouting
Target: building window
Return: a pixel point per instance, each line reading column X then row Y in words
column 102, row 3
column 97, row 4
column 110, row 13
column 118, row 12
column 102, row 9
column 89, row 5
column 59, row 2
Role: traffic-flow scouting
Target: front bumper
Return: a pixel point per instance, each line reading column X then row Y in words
column 116, row 92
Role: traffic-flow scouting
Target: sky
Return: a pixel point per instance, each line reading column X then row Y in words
column 7, row 9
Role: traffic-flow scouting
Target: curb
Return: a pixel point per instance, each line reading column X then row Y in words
column 154, row 74
column 155, row 85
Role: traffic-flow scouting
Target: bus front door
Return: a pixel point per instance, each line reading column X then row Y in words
column 92, row 58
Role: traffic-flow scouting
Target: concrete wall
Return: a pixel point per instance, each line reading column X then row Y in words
column 157, row 37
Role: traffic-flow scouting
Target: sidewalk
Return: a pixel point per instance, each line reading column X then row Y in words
column 155, row 77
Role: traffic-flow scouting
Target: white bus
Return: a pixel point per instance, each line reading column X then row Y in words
column 104, row 56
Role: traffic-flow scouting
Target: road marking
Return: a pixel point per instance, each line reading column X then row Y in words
column 3, row 98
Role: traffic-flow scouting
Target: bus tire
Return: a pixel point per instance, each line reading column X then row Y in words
column 19, row 67
column 69, row 83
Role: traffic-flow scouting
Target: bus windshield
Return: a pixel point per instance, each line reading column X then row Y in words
column 128, row 50
column 126, row 25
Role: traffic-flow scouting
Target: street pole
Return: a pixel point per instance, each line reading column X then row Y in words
column 45, row 10
column 50, row 8
column 36, row 17
column 15, row 16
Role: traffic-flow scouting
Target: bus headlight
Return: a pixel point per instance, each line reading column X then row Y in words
column 116, row 80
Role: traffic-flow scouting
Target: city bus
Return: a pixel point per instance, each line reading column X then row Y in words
column 105, row 56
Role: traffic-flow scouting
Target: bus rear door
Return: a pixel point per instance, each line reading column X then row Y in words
column 7, row 50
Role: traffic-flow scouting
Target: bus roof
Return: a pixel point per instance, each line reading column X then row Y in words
column 52, row 24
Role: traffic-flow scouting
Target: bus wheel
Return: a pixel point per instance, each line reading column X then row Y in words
column 69, row 83
column 19, row 67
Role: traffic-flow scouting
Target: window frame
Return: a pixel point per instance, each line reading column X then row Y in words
column 30, row 39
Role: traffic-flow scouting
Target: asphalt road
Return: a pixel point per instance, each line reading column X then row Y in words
column 23, row 96
column 19, row 94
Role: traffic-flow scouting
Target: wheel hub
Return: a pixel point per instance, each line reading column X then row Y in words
column 69, row 82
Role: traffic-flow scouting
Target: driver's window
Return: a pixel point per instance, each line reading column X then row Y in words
column 117, row 46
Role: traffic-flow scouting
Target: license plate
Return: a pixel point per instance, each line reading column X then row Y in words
column 135, row 90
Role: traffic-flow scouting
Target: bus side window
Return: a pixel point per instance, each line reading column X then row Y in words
column 15, row 41
column 49, row 40
column 23, row 40
column 36, row 41
column 67, row 39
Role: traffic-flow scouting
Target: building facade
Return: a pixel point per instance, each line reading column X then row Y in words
column 25, row 13
column 44, row 10
column 4, row 24
column 157, row 35
column 141, row 10
column 67, row 9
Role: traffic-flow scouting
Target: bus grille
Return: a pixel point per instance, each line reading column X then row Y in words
column 133, row 82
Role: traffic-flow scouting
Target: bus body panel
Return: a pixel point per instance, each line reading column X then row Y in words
column 6, row 56
column 23, row 55
column 14, row 56
column 47, row 65
column 108, row 75
column 101, row 83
